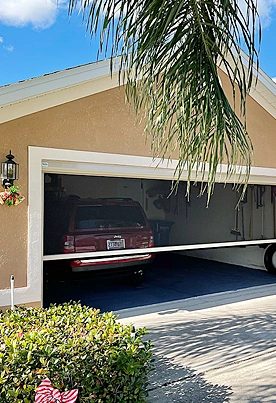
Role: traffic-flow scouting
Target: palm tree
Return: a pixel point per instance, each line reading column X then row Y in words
column 170, row 53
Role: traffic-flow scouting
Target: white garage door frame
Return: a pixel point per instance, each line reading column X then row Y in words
column 61, row 161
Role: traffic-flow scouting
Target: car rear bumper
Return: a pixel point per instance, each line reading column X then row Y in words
column 109, row 263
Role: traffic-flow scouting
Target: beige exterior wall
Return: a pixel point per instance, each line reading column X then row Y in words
column 101, row 123
column 261, row 128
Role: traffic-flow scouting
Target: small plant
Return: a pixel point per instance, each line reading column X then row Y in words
column 11, row 196
column 76, row 347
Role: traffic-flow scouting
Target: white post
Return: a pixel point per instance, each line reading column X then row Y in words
column 12, row 293
column 133, row 332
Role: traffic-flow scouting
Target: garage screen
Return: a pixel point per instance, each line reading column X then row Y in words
column 129, row 208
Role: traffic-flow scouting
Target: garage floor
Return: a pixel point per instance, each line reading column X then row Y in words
column 169, row 278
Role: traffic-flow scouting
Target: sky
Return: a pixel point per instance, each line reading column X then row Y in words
column 37, row 37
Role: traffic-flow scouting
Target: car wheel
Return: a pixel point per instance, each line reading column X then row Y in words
column 270, row 259
column 138, row 277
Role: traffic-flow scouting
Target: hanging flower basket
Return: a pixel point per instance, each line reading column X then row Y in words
column 11, row 196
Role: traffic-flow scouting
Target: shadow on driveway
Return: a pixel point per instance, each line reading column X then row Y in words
column 170, row 383
column 235, row 347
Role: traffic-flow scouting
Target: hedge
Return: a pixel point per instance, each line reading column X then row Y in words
column 76, row 347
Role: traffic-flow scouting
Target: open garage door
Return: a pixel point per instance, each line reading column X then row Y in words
column 173, row 220
column 177, row 225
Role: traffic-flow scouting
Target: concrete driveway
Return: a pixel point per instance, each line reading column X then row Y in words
column 213, row 327
column 216, row 348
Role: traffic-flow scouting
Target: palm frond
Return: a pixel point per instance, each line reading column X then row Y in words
column 170, row 52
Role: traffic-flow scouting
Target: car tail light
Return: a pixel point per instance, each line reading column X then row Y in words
column 151, row 241
column 68, row 244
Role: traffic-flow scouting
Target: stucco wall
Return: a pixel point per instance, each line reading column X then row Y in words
column 103, row 123
column 260, row 126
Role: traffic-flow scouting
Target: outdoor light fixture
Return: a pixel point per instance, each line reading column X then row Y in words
column 9, row 171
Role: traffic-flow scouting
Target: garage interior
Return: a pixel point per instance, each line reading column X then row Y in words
column 175, row 219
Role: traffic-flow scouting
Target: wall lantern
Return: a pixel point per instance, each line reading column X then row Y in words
column 9, row 171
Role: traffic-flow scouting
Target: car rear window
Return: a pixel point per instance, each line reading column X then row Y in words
column 89, row 217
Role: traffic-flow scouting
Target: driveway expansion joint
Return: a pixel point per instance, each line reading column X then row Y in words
column 237, row 362
column 184, row 378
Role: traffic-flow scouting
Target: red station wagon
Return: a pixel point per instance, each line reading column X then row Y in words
column 107, row 225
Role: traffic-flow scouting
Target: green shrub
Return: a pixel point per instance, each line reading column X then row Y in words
column 75, row 347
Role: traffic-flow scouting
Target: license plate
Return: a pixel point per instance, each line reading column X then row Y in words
column 118, row 244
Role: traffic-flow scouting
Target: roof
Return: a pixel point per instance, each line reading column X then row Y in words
column 37, row 94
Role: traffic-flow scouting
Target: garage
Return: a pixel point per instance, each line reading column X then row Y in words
column 72, row 129
column 179, row 225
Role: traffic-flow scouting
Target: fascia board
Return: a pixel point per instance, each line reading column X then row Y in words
column 62, row 96
column 53, row 82
column 84, row 77
column 261, row 75
column 264, row 90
